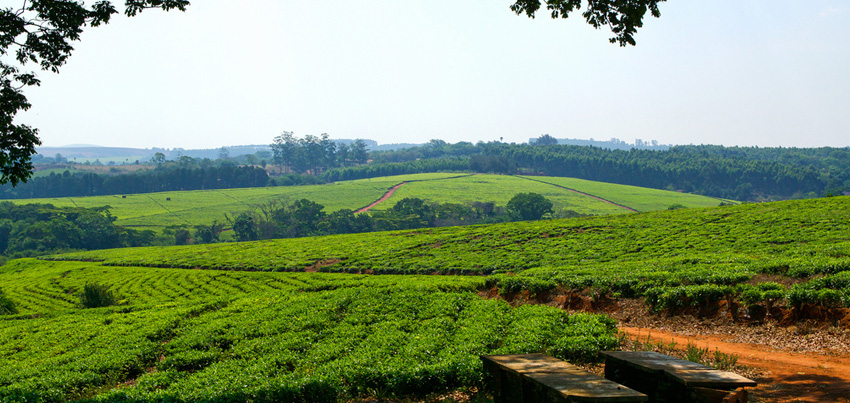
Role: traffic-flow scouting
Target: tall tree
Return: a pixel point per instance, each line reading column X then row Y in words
column 358, row 152
column 314, row 153
column 342, row 154
column 283, row 150
column 330, row 150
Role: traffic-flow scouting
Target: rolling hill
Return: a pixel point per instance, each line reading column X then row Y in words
column 159, row 210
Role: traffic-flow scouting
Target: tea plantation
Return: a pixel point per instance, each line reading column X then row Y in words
column 201, row 207
column 305, row 320
column 204, row 335
column 683, row 255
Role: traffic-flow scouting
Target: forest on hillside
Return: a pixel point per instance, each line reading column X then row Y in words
column 739, row 173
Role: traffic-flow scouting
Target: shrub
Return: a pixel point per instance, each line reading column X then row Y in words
column 768, row 292
column 661, row 298
column 513, row 284
column 7, row 307
column 96, row 296
column 751, row 296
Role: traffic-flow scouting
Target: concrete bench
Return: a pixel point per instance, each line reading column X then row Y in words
column 535, row 378
column 667, row 379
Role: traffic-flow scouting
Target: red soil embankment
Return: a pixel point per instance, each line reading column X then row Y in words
column 788, row 377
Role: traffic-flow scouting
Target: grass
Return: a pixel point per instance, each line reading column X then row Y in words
column 499, row 189
column 159, row 210
column 638, row 198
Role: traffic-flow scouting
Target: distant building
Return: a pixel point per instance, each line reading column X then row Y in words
column 612, row 144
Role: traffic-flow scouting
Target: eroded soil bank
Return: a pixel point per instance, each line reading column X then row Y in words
column 801, row 356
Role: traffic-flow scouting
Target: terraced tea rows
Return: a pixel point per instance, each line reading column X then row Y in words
column 42, row 286
column 196, row 335
column 690, row 252
column 254, row 330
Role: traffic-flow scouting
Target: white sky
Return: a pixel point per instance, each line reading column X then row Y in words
column 755, row 72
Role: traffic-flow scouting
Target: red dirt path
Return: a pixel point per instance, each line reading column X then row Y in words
column 383, row 198
column 788, row 377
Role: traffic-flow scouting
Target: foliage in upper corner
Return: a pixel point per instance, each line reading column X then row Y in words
column 624, row 17
column 42, row 32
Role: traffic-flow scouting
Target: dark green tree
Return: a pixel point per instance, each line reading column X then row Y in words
column 342, row 155
column 623, row 17
column 529, row 206
column 208, row 233
column 284, row 148
column 314, row 153
column 358, row 152
column 245, row 227
column 417, row 207
column 182, row 236
column 97, row 231
column 306, row 217
column 346, row 222
column 158, row 159
column 546, row 140
column 329, row 159
column 96, row 296
column 7, row 307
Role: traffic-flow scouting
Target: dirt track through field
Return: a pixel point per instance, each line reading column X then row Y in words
column 583, row 194
column 382, row 199
column 788, row 377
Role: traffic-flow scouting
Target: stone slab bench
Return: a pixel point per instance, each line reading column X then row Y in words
column 668, row 379
column 535, row 378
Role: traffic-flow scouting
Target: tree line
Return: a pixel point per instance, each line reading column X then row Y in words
column 37, row 229
column 183, row 174
column 315, row 154
column 304, row 218
column 741, row 173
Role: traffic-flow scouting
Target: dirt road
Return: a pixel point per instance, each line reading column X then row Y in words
column 788, row 377
column 382, row 199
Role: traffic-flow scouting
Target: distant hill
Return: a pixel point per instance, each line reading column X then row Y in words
column 120, row 155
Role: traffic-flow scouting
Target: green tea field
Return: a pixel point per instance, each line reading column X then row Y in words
column 159, row 210
column 664, row 256
column 306, row 319
column 204, row 335
column 638, row 198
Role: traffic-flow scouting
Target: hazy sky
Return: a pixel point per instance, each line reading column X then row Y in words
column 758, row 72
